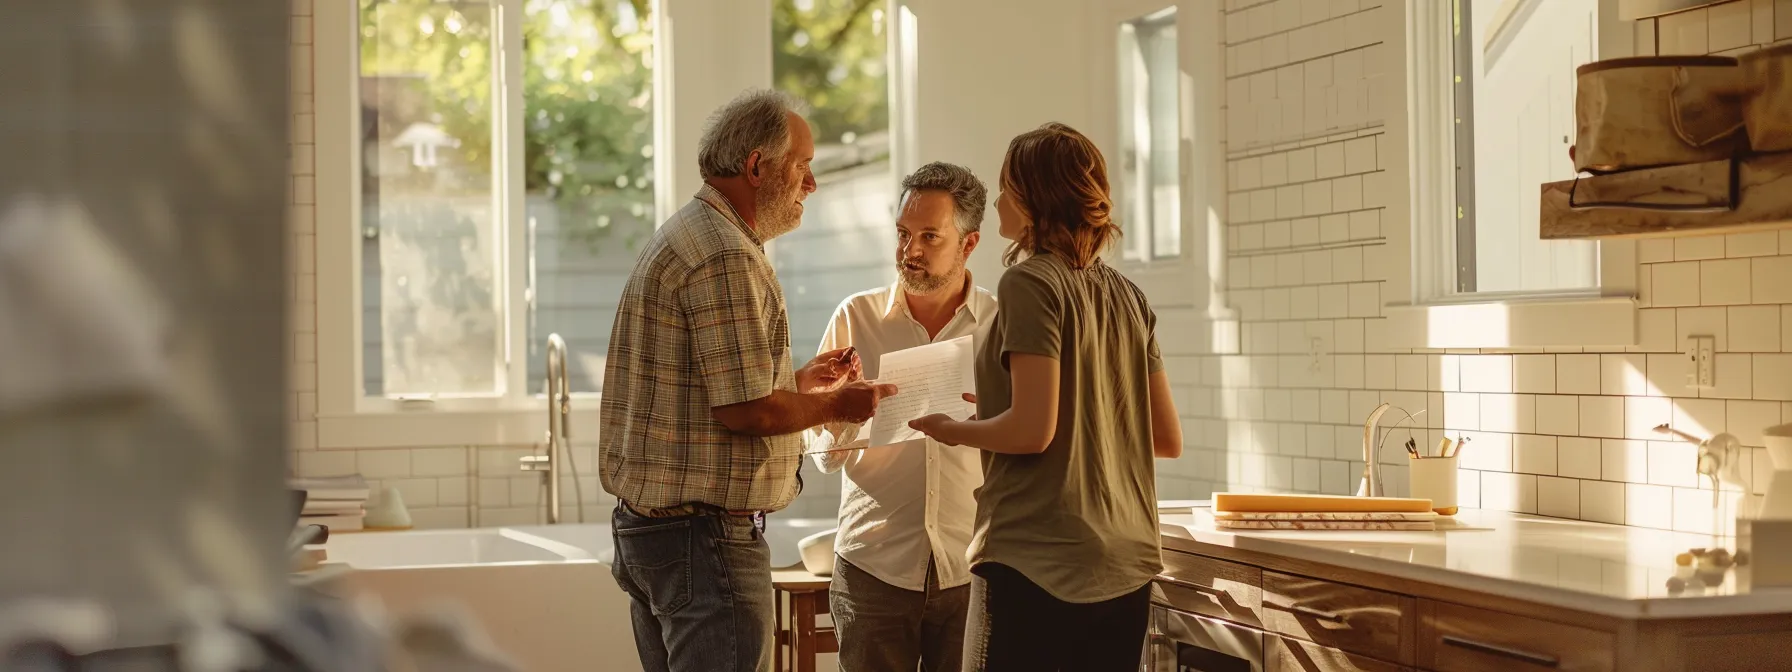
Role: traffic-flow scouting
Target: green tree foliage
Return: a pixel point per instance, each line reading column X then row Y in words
column 587, row 94
column 587, row 88
column 831, row 54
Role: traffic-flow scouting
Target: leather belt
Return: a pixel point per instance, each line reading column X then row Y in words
column 690, row 509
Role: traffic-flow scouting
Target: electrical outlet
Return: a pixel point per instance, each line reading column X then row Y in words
column 1701, row 351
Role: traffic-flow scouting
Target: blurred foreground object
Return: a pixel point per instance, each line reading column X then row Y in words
column 143, row 359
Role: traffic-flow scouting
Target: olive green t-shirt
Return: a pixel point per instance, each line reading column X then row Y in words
column 1080, row 519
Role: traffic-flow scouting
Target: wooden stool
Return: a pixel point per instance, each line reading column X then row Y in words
column 802, row 598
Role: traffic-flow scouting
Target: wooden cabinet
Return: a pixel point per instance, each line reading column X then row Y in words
column 1257, row 612
column 1284, row 654
column 1183, row 642
column 1457, row 638
column 1350, row 618
column 1212, row 587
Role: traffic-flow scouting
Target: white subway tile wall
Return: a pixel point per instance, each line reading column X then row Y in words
column 1276, row 400
column 1565, row 432
column 302, row 220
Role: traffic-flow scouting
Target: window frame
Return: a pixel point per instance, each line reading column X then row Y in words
column 1149, row 270
column 1195, row 278
column 697, row 68
column 1141, row 245
column 1108, row 19
column 1423, row 308
column 347, row 417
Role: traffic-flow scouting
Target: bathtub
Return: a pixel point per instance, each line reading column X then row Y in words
column 781, row 536
column 542, row 593
column 439, row 548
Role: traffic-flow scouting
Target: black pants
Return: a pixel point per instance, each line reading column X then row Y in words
column 1022, row 627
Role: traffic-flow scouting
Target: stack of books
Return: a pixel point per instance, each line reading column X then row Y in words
column 337, row 502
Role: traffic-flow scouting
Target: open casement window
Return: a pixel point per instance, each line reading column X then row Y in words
column 500, row 180
column 487, row 169
column 490, row 170
column 476, row 246
column 1490, row 118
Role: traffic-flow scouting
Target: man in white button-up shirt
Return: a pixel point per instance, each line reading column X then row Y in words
column 902, row 582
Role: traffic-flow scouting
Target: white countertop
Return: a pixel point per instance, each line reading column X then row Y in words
column 1593, row 567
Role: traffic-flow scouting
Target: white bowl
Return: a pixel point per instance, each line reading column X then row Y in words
column 818, row 552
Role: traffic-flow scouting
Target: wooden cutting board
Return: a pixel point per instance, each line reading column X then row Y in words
column 1331, row 516
column 1285, row 503
column 1393, row 525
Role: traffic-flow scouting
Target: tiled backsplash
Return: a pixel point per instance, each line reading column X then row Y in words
column 1560, row 432
column 1277, row 402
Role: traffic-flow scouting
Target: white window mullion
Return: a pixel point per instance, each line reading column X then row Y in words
column 1432, row 151
column 507, row 129
column 335, row 67
column 666, row 198
column 903, row 54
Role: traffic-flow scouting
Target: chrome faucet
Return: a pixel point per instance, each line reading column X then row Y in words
column 1720, row 457
column 559, row 426
column 1371, row 483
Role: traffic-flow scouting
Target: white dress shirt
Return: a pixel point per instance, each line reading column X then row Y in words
column 902, row 505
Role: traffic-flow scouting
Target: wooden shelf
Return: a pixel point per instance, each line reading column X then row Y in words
column 1762, row 195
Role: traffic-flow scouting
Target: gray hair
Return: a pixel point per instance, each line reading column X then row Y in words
column 968, row 193
column 755, row 121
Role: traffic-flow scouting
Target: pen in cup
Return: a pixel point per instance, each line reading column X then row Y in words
column 1456, row 448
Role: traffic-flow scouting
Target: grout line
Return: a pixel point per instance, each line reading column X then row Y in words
column 1317, row 180
column 1321, row 247
column 1367, row 130
column 1302, row 61
column 1236, row 224
column 1299, row 27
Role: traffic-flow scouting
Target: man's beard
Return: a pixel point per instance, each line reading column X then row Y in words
column 919, row 281
column 776, row 213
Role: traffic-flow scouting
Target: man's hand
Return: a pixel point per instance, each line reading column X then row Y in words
column 857, row 401
column 828, row 371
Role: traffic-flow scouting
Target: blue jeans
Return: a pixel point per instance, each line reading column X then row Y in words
column 700, row 591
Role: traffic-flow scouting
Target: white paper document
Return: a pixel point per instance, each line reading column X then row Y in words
column 929, row 379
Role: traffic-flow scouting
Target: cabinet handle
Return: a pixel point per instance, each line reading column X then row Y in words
column 1515, row 654
column 1199, row 588
column 1328, row 616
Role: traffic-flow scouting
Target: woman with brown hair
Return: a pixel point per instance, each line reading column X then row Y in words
column 1074, row 404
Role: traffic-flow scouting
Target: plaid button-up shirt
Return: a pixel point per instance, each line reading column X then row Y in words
column 702, row 324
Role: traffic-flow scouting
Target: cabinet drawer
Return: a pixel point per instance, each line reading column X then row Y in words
column 1455, row 638
column 1351, row 618
column 1210, row 587
column 1292, row 655
column 1182, row 642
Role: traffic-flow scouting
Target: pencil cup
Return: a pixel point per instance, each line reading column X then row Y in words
column 1434, row 478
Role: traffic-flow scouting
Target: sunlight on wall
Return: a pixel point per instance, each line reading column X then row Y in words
column 1657, row 471
column 1451, row 326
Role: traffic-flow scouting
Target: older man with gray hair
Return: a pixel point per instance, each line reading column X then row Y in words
column 701, row 412
column 902, row 579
